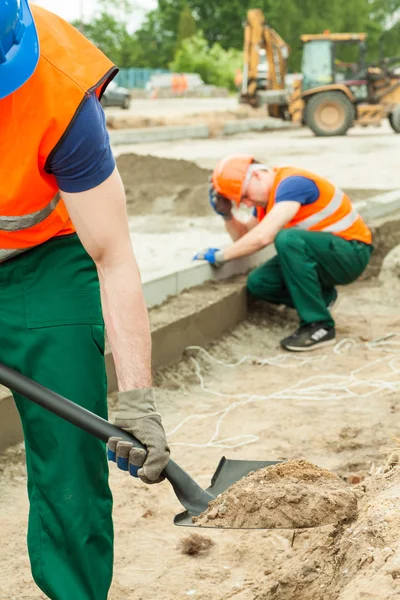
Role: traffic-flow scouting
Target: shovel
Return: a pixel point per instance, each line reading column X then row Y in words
column 192, row 497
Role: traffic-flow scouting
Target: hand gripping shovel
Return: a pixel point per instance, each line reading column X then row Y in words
column 192, row 497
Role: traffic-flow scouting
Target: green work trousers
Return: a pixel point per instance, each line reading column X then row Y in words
column 308, row 266
column 51, row 330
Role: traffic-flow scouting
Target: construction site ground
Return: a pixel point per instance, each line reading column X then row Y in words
column 332, row 420
column 338, row 407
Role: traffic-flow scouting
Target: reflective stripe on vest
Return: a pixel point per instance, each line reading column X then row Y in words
column 27, row 221
column 332, row 212
column 5, row 254
column 344, row 223
column 323, row 214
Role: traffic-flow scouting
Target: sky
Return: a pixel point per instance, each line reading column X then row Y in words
column 71, row 9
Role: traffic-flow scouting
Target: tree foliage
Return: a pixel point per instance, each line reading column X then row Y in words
column 215, row 65
column 187, row 27
column 174, row 22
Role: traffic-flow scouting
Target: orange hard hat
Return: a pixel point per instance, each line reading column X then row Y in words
column 230, row 175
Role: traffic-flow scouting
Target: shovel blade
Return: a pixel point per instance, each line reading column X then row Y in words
column 227, row 473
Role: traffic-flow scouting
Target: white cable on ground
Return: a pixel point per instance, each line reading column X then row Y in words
column 325, row 388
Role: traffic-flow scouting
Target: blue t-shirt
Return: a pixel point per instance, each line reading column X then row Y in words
column 83, row 159
column 298, row 189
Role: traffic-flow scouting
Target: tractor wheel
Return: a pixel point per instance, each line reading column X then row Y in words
column 394, row 119
column 329, row 113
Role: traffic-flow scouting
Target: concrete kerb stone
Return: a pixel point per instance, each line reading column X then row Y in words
column 158, row 134
column 381, row 206
column 244, row 125
column 200, row 131
column 198, row 327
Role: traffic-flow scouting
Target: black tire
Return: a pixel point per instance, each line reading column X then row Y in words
column 127, row 103
column 394, row 119
column 329, row 113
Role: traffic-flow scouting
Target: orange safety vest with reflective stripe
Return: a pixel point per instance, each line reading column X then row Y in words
column 333, row 212
column 33, row 121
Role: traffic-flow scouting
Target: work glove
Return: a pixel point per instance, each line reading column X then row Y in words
column 214, row 256
column 222, row 206
column 138, row 416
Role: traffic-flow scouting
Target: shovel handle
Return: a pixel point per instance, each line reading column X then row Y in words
column 62, row 407
column 189, row 493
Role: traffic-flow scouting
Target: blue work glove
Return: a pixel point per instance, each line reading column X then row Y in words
column 139, row 417
column 214, row 256
column 222, row 206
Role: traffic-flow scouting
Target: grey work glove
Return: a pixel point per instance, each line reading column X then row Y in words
column 138, row 416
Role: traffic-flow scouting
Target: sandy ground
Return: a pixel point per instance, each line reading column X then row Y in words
column 337, row 408
column 364, row 163
column 189, row 111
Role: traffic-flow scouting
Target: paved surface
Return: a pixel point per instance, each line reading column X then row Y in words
column 365, row 158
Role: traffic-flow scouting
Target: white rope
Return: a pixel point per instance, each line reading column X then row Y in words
column 329, row 389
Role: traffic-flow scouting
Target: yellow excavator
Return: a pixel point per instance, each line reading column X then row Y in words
column 332, row 93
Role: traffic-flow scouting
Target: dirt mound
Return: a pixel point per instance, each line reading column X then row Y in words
column 164, row 186
column 345, row 562
column 295, row 494
column 384, row 237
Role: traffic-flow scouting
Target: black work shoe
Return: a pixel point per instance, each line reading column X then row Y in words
column 309, row 337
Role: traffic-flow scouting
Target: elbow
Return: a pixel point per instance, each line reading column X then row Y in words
column 264, row 240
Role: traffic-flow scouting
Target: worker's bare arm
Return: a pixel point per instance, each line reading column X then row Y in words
column 100, row 218
column 264, row 233
column 238, row 229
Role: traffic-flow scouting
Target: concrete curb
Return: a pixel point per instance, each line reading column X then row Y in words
column 380, row 206
column 245, row 125
column 121, row 137
column 158, row 134
column 157, row 291
column 196, row 327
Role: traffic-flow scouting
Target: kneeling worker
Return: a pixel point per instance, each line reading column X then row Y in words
column 320, row 239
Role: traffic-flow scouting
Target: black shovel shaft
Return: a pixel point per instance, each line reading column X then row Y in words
column 62, row 407
column 188, row 492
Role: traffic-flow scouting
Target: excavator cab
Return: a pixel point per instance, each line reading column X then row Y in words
column 331, row 59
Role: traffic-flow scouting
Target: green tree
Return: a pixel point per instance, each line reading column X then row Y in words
column 187, row 26
column 215, row 65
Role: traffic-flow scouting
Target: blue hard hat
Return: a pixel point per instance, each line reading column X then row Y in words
column 19, row 45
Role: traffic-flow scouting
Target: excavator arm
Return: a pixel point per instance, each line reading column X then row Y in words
column 258, row 35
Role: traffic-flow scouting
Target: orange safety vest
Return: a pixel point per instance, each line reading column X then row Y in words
column 33, row 121
column 333, row 212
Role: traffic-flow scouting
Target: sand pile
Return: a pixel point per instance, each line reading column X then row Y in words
column 358, row 561
column 295, row 494
column 164, row 186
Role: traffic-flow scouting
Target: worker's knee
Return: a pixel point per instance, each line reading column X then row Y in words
column 287, row 239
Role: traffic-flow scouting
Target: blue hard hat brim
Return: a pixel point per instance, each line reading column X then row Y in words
column 23, row 61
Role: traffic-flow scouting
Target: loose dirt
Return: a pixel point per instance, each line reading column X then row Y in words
column 196, row 544
column 164, row 186
column 291, row 495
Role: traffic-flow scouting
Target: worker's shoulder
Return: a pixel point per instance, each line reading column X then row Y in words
column 288, row 172
column 66, row 51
